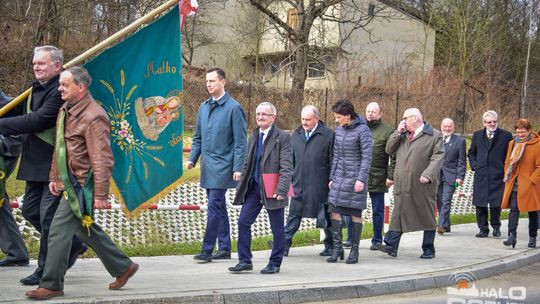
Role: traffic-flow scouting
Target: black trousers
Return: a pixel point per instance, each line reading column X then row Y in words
column 482, row 218
column 513, row 218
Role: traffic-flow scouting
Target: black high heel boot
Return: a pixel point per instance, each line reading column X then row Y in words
column 511, row 240
column 357, row 235
column 532, row 242
column 338, row 245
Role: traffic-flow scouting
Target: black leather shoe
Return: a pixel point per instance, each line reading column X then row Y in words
column 326, row 252
column 222, row 255
column 347, row 244
column 482, row 234
column 9, row 263
column 532, row 242
column 73, row 257
column 427, row 256
column 241, row 267
column 374, row 247
column 387, row 249
column 496, row 232
column 270, row 269
column 203, row 257
column 32, row 279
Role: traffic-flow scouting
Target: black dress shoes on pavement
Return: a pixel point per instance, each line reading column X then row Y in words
column 270, row 269
column 326, row 252
column 241, row 267
column 32, row 279
column 9, row 263
column 387, row 249
column 482, row 234
column 203, row 257
column 374, row 247
column 427, row 256
column 222, row 255
column 496, row 232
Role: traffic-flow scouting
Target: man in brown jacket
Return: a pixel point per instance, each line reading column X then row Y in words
column 419, row 158
column 83, row 156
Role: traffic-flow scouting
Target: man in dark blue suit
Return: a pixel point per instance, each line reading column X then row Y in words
column 269, row 161
column 487, row 154
column 35, row 119
column 452, row 172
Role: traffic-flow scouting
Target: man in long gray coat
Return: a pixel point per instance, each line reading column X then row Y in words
column 312, row 146
column 419, row 158
column 220, row 141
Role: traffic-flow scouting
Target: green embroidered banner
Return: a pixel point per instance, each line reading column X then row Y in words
column 139, row 84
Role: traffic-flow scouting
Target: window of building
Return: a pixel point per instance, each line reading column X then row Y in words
column 371, row 10
column 316, row 69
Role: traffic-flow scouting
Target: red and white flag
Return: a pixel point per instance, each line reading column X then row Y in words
column 187, row 8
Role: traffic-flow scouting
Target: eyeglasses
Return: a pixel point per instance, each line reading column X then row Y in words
column 264, row 114
column 490, row 122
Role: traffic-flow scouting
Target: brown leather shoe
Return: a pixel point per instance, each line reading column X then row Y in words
column 44, row 293
column 124, row 277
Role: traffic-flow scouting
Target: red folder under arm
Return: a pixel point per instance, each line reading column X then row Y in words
column 271, row 181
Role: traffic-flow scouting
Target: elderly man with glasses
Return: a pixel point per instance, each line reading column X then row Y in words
column 486, row 157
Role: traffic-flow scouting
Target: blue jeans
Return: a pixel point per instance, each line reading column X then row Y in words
column 217, row 222
column 250, row 210
column 377, row 211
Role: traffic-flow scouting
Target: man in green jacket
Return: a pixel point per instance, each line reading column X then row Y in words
column 381, row 175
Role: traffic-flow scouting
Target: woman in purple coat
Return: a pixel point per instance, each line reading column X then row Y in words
column 349, row 176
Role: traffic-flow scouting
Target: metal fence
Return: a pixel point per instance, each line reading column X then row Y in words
column 175, row 226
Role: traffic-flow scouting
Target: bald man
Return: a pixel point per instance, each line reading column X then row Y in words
column 452, row 173
column 312, row 146
column 419, row 157
column 381, row 174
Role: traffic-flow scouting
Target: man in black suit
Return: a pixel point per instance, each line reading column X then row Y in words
column 452, row 172
column 35, row 119
column 269, row 159
column 11, row 241
column 487, row 154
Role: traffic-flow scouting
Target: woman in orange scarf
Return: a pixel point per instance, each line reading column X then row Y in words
column 522, row 181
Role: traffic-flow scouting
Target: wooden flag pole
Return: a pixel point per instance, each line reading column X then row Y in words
column 98, row 47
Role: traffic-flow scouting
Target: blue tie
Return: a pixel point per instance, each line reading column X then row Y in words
column 257, row 171
column 307, row 134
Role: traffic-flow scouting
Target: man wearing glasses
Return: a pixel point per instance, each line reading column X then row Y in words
column 264, row 181
column 486, row 157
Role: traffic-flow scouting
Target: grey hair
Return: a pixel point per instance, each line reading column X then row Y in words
column 313, row 109
column 80, row 75
column 56, row 54
column 268, row 104
column 490, row 114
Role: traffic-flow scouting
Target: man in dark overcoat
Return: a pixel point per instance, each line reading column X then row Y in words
column 35, row 120
column 419, row 157
column 265, row 181
column 486, row 157
column 312, row 146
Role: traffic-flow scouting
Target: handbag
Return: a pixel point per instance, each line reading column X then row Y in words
column 322, row 221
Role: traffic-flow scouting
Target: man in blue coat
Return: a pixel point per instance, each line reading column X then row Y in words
column 220, row 142
column 486, row 157
column 452, row 173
